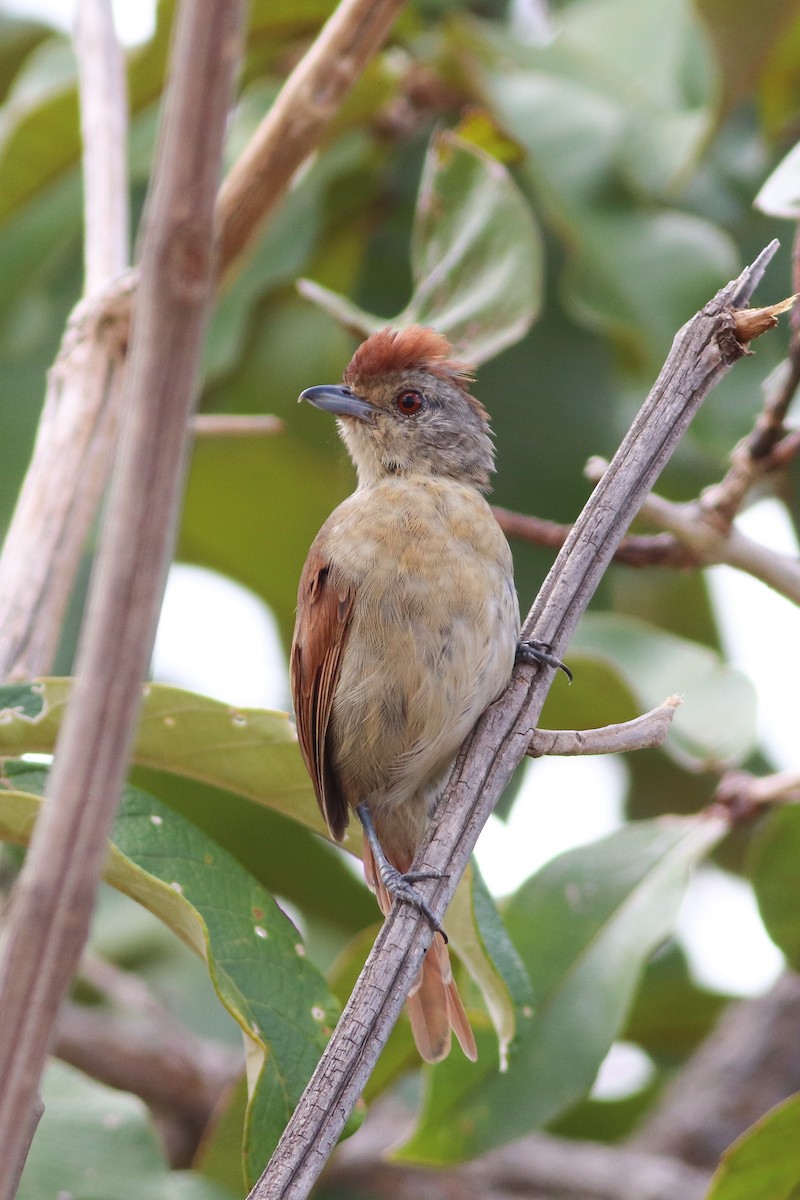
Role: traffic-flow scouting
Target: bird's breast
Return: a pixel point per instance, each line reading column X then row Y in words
column 434, row 629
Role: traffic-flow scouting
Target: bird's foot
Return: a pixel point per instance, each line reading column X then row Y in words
column 535, row 652
column 399, row 884
column 401, row 887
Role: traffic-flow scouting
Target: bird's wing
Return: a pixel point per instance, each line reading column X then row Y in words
column 323, row 621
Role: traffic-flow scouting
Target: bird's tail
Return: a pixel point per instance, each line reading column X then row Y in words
column 434, row 1004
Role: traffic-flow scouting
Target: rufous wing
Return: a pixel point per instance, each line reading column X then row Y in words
column 323, row 621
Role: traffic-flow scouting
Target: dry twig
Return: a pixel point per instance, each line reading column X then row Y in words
column 642, row 733
column 702, row 352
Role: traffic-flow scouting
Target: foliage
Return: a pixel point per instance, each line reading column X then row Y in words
column 560, row 207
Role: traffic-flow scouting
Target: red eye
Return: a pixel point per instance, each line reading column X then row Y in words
column 408, row 403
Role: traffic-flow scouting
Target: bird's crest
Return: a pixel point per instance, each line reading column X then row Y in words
column 393, row 350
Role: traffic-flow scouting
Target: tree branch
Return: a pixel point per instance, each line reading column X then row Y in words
column 642, row 733
column 635, row 550
column 703, row 351
column 54, row 895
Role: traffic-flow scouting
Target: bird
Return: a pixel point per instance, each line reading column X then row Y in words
column 407, row 624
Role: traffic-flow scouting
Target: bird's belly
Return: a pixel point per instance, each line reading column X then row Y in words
column 431, row 645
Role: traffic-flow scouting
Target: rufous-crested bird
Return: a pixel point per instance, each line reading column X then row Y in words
column 407, row 623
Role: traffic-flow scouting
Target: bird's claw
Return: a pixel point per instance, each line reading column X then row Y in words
column 401, row 887
column 536, row 652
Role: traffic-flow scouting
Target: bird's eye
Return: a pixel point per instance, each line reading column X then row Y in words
column 408, row 403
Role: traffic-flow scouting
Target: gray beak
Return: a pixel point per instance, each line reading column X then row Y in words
column 339, row 400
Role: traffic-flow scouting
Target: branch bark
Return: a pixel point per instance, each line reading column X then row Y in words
column 53, row 900
column 703, row 351
column 642, row 733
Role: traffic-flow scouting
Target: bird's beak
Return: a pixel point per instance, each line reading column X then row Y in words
column 339, row 400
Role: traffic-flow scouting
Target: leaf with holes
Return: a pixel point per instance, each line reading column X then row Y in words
column 255, row 956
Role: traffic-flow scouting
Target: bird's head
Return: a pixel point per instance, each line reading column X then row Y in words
column 404, row 408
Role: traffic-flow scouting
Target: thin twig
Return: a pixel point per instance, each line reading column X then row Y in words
column 54, row 894
column 709, row 538
column 642, row 733
column 703, row 351
column 635, row 550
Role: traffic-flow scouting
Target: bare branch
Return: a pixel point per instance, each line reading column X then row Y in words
column 104, row 125
column 635, row 550
column 703, row 351
column 54, row 894
column 642, row 733
column 711, row 540
column 745, row 795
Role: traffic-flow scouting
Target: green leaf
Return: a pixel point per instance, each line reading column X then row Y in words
column 762, row 1164
column 773, row 871
column 584, row 926
column 249, row 751
column 476, row 257
column 96, row 1143
column 253, row 753
column 255, row 956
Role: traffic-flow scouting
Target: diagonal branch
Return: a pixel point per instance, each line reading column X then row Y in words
column 703, row 351
column 54, row 895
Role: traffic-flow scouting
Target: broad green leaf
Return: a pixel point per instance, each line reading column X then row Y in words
column 773, row 871
column 39, row 129
column 96, row 1143
column 475, row 256
column 255, row 956
column 253, row 753
column 672, row 1014
column 249, row 751
column 715, row 726
column 584, row 926
column 18, row 37
column 762, row 1164
column 605, row 114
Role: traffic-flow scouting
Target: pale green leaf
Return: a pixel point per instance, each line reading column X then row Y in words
column 255, row 956
column 584, row 926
